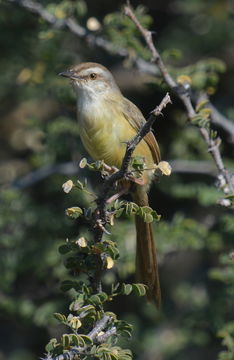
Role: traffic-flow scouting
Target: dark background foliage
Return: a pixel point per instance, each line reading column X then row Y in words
column 40, row 149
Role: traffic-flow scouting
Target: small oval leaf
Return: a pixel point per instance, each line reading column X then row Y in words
column 59, row 317
column 67, row 186
column 83, row 162
column 126, row 289
column 109, row 262
column 139, row 289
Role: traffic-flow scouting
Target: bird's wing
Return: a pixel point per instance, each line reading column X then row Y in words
column 136, row 119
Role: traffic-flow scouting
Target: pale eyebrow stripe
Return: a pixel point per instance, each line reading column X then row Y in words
column 95, row 70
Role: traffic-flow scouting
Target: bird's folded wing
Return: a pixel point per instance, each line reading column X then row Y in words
column 136, row 119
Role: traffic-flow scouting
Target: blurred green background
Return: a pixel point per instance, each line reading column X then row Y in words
column 40, row 149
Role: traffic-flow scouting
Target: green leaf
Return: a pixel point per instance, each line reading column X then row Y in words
column 74, row 340
column 201, row 120
column 155, row 215
column 195, row 119
column 112, row 356
column 201, row 105
column 65, row 340
column 95, row 300
column 74, row 322
column 103, row 296
column 147, row 213
column 74, row 212
column 131, row 208
column 125, row 354
column 126, row 289
column 81, row 8
column 80, row 185
column 119, row 212
column 172, row 54
column 86, row 309
column 83, row 162
column 51, row 345
column 206, row 112
column 64, row 249
column 139, row 289
column 114, row 287
column 118, row 204
column 126, row 333
column 87, row 340
column 81, row 341
column 111, row 249
column 67, row 285
column 111, row 314
column 146, row 209
column 148, row 218
column 99, row 247
column 93, row 350
column 138, row 162
column 61, row 318
column 77, row 304
column 124, row 328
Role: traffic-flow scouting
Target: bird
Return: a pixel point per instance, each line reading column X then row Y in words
column 107, row 121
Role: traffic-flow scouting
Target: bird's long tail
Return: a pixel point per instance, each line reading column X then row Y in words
column 146, row 259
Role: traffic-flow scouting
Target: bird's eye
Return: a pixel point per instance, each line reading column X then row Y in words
column 93, row 76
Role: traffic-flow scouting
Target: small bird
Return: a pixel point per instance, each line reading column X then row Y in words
column 107, row 120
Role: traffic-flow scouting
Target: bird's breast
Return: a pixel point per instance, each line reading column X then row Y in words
column 104, row 132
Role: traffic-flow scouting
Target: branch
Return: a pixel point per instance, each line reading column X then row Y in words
column 183, row 95
column 219, row 119
column 70, row 168
column 100, row 325
column 33, row 177
column 193, row 167
column 106, row 335
column 76, row 351
column 120, row 174
column 69, row 24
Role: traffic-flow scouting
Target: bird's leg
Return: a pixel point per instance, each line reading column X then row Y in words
column 139, row 181
column 110, row 169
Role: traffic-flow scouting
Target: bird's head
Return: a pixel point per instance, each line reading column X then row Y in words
column 91, row 78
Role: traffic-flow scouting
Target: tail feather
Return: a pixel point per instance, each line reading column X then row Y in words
column 146, row 259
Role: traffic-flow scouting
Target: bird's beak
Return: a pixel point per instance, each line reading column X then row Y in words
column 69, row 74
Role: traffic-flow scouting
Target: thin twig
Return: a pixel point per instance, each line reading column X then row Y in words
column 35, row 176
column 70, row 168
column 218, row 119
column 102, row 338
column 193, row 167
column 182, row 93
column 100, row 325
